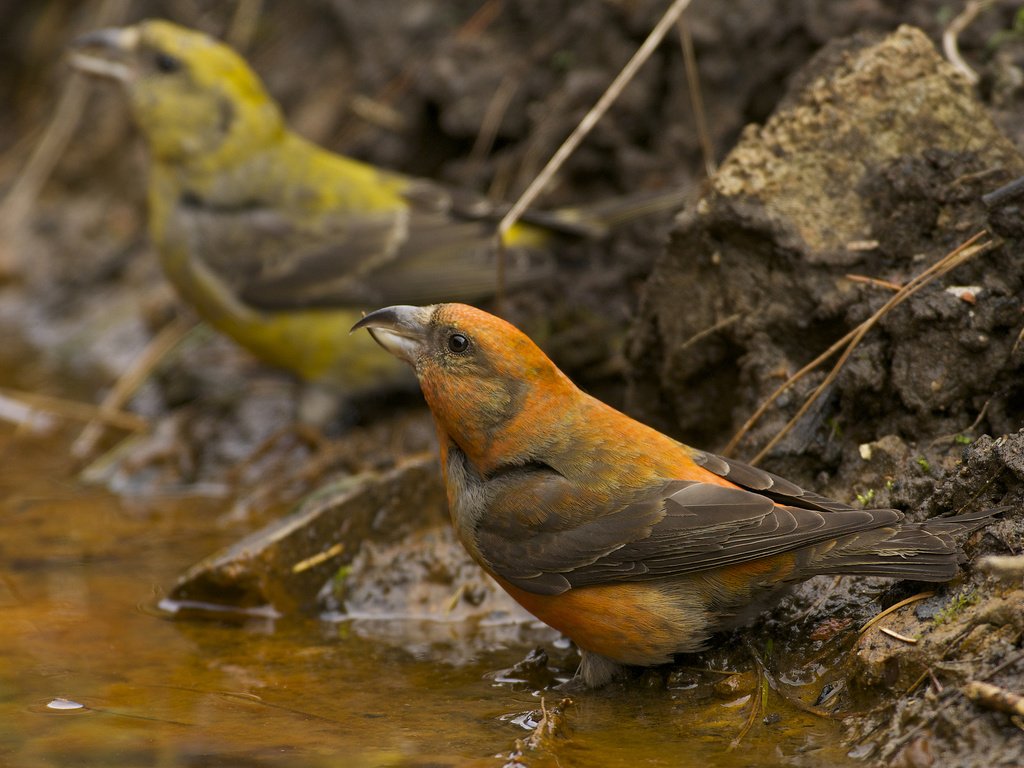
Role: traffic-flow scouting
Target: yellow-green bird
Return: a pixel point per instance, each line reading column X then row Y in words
column 279, row 243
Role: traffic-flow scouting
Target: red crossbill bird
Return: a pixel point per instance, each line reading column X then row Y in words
column 281, row 244
column 634, row 545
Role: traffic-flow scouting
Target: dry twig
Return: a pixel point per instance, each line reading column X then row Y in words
column 696, row 96
column 949, row 696
column 73, row 409
column 243, row 24
column 897, row 636
column 1002, row 567
column 970, row 428
column 892, row 609
column 965, row 251
column 130, row 381
column 994, row 697
column 493, row 115
column 586, row 125
column 700, row 335
column 22, row 194
column 877, row 281
column 756, row 706
column 951, row 43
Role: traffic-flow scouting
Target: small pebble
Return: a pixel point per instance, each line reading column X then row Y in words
column 64, row 705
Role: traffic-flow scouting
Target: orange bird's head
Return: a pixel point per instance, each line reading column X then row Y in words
column 490, row 388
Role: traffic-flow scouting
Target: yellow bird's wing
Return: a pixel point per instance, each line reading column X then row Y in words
column 429, row 247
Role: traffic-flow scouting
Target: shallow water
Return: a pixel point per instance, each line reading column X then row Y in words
column 82, row 572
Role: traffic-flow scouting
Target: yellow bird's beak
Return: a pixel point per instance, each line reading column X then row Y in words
column 105, row 53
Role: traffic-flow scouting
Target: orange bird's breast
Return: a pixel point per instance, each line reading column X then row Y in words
column 630, row 623
column 646, row 623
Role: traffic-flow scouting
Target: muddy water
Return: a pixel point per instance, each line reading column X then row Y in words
column 81, row 572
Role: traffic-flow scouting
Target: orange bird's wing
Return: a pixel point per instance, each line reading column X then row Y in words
column 776, row 488
column 532, row 540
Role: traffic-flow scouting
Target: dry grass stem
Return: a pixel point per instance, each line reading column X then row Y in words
column 994, row 697
column 78, row 411
column 168, row 338
column 592, row 117
column 756, row 706
column 969, row 428
column 696, row 96
column 25, row 189
column 897, row 636
column 892, row 609
column 967, row 250
column 950, row 37
column 701, row 335
column 495, row 113
column 242, row 27
column 877, row 281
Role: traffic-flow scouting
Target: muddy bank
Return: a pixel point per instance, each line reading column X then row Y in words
column 872, row 168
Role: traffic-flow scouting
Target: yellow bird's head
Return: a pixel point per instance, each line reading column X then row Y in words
column 194, row 98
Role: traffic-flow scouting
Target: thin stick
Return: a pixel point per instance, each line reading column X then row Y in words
column 73, row 409
column 243, row 23
column 957, row 257
column 913, row 686
column 1020, row 338
column 493, row 116
column 950, row 42
column 481, row 19
column 973, row 425
column 897, row 636
column 887, row 284
column 994, row 697
column 170, row 335
column 696, row 96
column 755, row 417
column 593, row 116
column 756, row 706
column 893, row 608
column 949, row 696
column 1004, row 193
column 699, row 335
column 940, row 267
column 22, row 194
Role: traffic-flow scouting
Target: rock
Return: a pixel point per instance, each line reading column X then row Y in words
column 286, row 563
column 738, row 684
column 873, row 165
column 424, row 594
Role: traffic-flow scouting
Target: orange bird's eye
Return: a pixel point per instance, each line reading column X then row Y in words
column 458, row 343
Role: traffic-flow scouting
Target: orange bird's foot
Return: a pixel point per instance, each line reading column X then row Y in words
column 595, row 671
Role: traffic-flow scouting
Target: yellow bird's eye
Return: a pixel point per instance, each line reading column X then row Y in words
column 166, row 63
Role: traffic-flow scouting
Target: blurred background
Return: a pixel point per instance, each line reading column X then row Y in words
column 476, row 94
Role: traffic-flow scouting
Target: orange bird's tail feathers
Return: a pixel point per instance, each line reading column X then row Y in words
column 926, row 551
